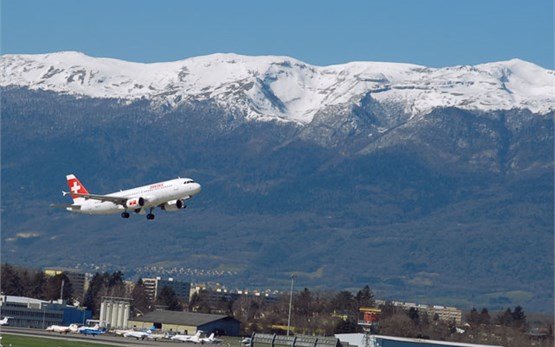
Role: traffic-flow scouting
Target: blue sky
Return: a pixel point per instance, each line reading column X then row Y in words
column 428, row 32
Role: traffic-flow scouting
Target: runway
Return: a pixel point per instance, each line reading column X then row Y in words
column 105, row 338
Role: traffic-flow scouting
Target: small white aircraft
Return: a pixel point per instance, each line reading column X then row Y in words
column 63, row 329
column 168, row 195
column 157, row 336
column 210, row 339
column 4, row 321
column 187, row 338
column 139, row 335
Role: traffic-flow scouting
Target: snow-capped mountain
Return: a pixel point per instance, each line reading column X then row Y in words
column 274, row 87
column 370, row 163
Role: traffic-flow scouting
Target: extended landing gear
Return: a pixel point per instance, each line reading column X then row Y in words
column 150, row 216
column 125, row 215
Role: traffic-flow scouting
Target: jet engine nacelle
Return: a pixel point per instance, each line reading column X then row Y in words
column 135, row 203
column 173, row 205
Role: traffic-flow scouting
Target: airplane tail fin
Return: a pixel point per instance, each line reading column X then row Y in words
column 212, row 336
column 75, row 186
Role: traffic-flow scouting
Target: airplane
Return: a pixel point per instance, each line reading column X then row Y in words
column 156, row 336
column 91, row 331
column 187, row 338
column 210, row 339
column 63, row 329
column 139, row 335
column 4, row 321
column 168, row 195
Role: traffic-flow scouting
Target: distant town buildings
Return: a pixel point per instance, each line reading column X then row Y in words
column 219, row 291
column 153, row 286
column 444, row 313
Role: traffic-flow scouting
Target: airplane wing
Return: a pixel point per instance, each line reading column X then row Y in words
column 76, row 207
column 115, row 199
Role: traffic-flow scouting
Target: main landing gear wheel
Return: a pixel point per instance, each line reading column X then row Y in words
column 150, row 216
column 125, row 215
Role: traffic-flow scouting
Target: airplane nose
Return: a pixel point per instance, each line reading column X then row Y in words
column 197, row 188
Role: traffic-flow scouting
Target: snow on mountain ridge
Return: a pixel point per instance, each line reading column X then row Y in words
column 270, row 87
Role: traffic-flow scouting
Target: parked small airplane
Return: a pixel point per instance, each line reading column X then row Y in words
column 91, row 331
column 168, row 195
column 63, row 329
column 210, row 339
column 139, row 335
column 187, row 338
column 157, row 336
column 4, row 321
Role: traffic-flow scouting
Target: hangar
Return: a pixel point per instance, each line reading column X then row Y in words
column 187, row 322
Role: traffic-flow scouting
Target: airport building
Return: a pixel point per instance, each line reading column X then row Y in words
column 79, row 281
column 187, row 322
column 362, row 340
column 153, row 287
column 34, row 313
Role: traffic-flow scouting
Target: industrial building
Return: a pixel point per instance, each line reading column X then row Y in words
column 187, row 322
column 34, row 313
column 363, row 340
column 114, row 312
column 153, row 286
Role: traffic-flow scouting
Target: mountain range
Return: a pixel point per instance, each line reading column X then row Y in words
column 428, row 184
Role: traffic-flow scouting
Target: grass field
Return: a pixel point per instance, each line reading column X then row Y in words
column 24, row 341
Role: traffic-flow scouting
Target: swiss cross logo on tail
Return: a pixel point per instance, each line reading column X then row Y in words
column 75, row 187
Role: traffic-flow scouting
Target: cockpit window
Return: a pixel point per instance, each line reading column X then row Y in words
column 188, row 181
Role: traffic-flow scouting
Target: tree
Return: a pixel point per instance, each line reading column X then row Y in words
column 473, row 317
column 37, row 285
column 54, row 285
column 505, row 318
column 140, row 298
column 199, row 302
column 91, row 300
column 518, row 317
column 345, row 326
column 413, row 315
column 365, row 297
column 485, row 317
column 343, row 301
column 168, row 298
column 10, row 281
column 303, row 303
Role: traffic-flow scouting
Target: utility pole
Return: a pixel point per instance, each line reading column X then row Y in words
column 62, row 291
column 290, row 303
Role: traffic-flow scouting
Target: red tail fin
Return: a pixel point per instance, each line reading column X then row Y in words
column 75, row 186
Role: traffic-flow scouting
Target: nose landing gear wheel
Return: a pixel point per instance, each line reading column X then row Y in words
column 125, row 215
column 150, row 216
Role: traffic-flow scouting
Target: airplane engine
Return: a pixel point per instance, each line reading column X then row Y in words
column 173, row 205
column 135, row 203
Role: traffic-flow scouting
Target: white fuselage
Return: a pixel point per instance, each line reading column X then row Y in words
column 154, row 195
column 136, row 334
